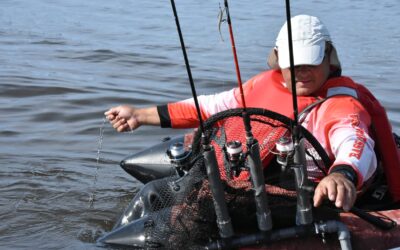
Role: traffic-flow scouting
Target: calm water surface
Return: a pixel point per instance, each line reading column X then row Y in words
column 63, row 63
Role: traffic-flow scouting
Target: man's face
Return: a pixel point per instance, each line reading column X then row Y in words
column 309, row 78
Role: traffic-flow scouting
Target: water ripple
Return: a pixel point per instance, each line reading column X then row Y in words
column 14, row 91
column 50, row 42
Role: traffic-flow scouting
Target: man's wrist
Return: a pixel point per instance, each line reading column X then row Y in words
column 347, row 172
column 165, row 119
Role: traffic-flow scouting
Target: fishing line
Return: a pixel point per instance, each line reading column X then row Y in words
column 92, row 195
column 16, row 205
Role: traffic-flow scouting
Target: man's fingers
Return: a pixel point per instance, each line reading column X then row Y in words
column 122, row 118
column 124, row 127
column 117, row 122
column 110, row 111
column 342, row 196
column 332, row 192
column 337, row 189
column 319, row 195
column 350, row 197
column 112, row 114
column 120, row 124
column 110, row 117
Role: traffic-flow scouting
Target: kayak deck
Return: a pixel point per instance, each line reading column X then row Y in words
column 363, row 235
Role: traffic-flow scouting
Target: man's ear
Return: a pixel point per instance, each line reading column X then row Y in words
column 272, row 60
column 328, row 48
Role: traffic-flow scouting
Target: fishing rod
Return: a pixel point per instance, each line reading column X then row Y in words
column 304, row 214
column 224, row 221
column 189, row 72
column 228, row 18
column 255, row 165
column 292, row 74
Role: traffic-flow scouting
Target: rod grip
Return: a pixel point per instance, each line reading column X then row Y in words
column 223, row 219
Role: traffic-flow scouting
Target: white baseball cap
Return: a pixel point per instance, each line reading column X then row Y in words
column 309, row 37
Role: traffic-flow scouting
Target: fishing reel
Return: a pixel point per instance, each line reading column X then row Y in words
column 179, row 157
column 235, row 157
column 285, row 151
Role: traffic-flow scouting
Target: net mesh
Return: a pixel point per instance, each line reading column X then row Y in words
column 181, row 213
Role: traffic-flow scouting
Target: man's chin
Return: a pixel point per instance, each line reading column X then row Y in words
column 303, row 92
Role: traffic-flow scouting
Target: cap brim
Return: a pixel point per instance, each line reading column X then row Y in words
column 302, row 55
column 273, row 59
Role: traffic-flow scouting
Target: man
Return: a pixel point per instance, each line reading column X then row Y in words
column 341, row 124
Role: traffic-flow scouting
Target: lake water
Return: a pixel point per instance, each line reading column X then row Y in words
column 63, row 63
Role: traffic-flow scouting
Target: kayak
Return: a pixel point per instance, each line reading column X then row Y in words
column 166, row 171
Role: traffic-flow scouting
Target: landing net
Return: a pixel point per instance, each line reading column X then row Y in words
column 181, row 210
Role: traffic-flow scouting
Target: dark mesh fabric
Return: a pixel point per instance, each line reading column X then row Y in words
column 182, row 215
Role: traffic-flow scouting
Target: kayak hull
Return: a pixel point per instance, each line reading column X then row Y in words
column 151, row 163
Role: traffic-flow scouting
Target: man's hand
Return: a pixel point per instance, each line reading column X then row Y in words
column 123, row 118
column 338, row 189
